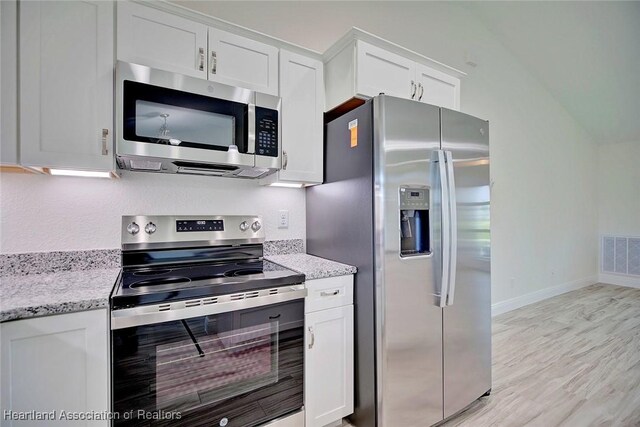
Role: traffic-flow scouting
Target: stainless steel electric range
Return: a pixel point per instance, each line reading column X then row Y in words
column 204, row 331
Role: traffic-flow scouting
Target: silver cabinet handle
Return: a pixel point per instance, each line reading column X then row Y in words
column 313, row 337
column 105, row 148
column 214, row 62
column 421, row 91
column 201, row 56
column 285, row 160
column 329, row 293
column 413, row 89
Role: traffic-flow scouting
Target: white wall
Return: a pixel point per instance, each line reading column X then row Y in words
column 46, row 213
column 544, row 215
column 619, row 189
column 619, row 198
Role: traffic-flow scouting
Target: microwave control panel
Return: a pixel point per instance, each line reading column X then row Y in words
column 266, row 132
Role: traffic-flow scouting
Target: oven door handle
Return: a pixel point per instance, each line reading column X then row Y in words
column 151, row 314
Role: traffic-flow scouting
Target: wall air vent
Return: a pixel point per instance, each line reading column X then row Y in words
column 620, row 255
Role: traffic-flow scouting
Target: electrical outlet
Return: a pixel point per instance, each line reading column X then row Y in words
column 283, row 219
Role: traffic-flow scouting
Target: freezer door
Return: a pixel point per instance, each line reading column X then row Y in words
column 409, row 320
column 467, row 316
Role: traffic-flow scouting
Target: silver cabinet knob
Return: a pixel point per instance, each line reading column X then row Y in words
column 133, row 228
column 244, row 226
column 256, row 226
column 150, row 228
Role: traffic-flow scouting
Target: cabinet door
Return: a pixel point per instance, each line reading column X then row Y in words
column 328, row 366
column 148, row 36
column 302, row 92
column 56, row 363
column 66, row 84
column 239, row 61
column 437, row 88
column 380, row 71
column 8, row 80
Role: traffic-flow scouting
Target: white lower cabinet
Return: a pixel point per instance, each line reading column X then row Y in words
column 329, row 351
column 55, row 363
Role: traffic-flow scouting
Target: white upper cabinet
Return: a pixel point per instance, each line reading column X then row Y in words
column 66, row 84
column 161, row 40
column 363, row 69
column 302, row 93
column 8, row 83
column 380, row 71
column 437, row 88
column 239, row 61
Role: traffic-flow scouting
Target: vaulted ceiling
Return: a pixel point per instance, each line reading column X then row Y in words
column 586, row 53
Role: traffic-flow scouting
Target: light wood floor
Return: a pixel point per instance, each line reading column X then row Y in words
column 572, row 360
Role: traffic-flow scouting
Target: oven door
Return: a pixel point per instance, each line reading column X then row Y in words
column 239, row 368
column 168, row 116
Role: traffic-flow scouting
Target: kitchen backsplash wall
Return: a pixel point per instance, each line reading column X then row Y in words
column 44, row 213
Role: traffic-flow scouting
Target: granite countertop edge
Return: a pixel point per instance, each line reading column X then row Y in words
column 27, row 312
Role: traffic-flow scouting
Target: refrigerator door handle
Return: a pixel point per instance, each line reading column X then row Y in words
column 445, row 211
column 453, row 224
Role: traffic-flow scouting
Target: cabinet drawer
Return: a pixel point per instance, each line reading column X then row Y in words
column 329, row 293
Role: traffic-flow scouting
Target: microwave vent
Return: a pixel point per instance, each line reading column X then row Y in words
column 252, row 173
column 194, row 171
column 145, row 165
column 205, row 166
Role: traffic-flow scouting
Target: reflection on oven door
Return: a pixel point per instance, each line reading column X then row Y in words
column 216, row 368
column 242, row 368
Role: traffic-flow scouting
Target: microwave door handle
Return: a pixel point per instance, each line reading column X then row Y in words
column 251, row 133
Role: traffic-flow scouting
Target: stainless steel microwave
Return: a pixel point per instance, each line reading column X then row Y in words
column 171, row 123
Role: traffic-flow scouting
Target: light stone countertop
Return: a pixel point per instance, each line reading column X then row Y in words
column 33, row 290
column 55, row 293
column 312, row 267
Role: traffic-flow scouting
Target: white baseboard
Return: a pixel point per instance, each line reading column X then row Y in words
column 533, row 297
column 615, row 279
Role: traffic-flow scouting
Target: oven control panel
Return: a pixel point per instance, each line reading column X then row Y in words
column 266, row 132
column 199, row 225
column 166, row 231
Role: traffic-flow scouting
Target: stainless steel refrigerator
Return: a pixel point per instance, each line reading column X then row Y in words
column 406, row 200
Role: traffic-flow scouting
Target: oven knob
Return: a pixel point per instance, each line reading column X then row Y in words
column 150, row 228
column 133, row 228
column 244, row 226
column 256, row 226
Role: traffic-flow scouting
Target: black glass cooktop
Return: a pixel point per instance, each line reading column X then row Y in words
column 157, row 284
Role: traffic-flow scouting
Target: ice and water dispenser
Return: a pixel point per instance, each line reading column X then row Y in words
column 414, row 221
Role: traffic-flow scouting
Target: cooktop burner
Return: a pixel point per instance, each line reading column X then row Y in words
column 139, row 286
